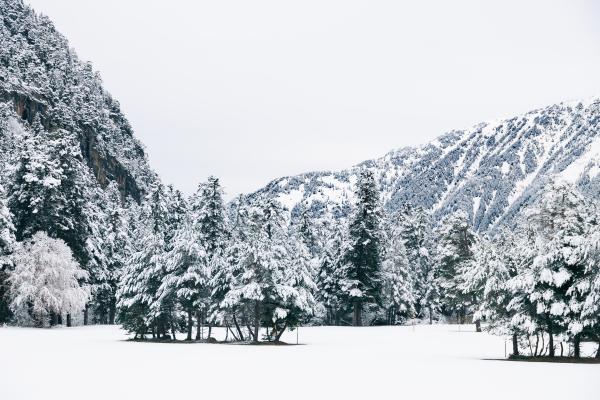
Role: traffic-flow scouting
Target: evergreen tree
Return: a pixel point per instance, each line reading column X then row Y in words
column 484, row 278
column 187, row 271
column 331, row 276
column 588, row 286
column 208, row 213
column 560, row 221
column 273, row 283
column 398, row 286
column 7, row 246
column 455, row 242
column 414, row 226
column 138, row 281
column 363, row 257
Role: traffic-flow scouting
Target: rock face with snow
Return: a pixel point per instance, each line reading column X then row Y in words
column 41, row 77
column 490, row 171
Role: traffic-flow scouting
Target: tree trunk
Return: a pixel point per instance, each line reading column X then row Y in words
column 430, row 316
column 598, row 351
column 69, row 320
column 256, row 320
column 85, row 315
column 515, row 344
column 60, row 322
column 357, row 314
column 172, row 325
column 550, row 341
column 577, row 346
column 237, row 326
column 199, row 324
column 281, row 332
column 478, row 326
column 53, row 319
column 190, row 326
column 112, row 312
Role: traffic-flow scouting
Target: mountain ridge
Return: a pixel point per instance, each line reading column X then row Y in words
column 490, row 170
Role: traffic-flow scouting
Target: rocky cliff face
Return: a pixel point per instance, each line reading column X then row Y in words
column 40, row 76
column 492, row 170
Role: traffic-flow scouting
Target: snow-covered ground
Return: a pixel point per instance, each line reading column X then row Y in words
column 425, row 362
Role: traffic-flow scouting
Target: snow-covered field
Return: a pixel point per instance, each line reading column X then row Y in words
column 425, row 362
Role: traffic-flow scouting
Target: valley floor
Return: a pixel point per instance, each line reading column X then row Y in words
column 424, row 362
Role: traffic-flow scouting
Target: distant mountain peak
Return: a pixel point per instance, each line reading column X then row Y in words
column 490, row 170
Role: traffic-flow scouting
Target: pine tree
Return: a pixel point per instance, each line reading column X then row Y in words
column 115, row 249
column 588, row 287
column 414, row 226
column 187, row 271
column 138, row 282
column 272, row 282
column 455, row 242
column 363, row 257
column 332, row 274
column 560, row 222
column 208, row 213
column 483, row 278
column 7, row 246
column 398, row 286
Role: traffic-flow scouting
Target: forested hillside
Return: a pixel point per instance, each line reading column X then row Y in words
column 69, row 163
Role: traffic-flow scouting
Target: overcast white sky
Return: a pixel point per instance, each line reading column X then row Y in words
column 253, row 90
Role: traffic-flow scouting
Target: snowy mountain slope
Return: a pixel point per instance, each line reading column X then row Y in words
column 490, row 170
column 41, row 77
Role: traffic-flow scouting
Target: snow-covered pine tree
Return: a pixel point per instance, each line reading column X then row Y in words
column 398, row 287
column 363, row 256
column 331, row 276
column 483, row 279
column 187, row 271
column 138, row 281
column 114, row 239
column 414, row 226
column 455, row 242
column 588, row 287
column 226, row 268
column 295, row 291
column 208, row 210
column 560, row 224
column 306, row 231
column 45, row 281
column 7, row 245
column 208, row 213
column 511, row 251
column 141, row 306
column 271, row 282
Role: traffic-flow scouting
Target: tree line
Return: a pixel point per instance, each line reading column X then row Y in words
column 173, row 264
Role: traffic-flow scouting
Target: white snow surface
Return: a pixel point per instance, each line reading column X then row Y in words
column 424, row 362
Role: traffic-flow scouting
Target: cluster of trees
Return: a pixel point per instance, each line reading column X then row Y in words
column 540, row 281
column 54, row 215
column 172, row 264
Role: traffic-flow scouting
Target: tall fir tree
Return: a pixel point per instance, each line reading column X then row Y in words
column 208, row 213
column 363, row 257
column 398, row 279
column 455, row 251
column 7, row 246
column 331, row 275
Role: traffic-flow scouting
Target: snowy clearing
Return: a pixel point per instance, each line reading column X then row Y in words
column 425, row 362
